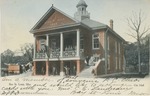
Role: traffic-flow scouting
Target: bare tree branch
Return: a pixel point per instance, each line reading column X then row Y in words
column 132, row 36
column 144, row 31
column 129, row 24
column 135, row 23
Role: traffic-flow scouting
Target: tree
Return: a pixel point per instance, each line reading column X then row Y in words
column 7, row 56
column 136, row 25
column 27, row 51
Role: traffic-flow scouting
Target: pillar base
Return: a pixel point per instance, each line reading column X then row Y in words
column 62, row 74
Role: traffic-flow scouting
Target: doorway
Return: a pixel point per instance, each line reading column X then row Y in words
column 71, row 65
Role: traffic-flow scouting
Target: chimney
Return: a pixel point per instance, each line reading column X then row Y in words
column 111, row 24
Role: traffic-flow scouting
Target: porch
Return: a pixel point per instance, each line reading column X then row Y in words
column 59, row 45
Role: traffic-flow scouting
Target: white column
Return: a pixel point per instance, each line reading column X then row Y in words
column 47, row 40
column 78, row 43
column 47, row 45
column 34, row 47
column 62, row 73
column 61, row 44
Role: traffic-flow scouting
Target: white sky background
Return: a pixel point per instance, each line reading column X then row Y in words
column 19, row 16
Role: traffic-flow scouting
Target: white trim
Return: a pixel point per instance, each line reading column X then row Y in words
column 39, row 59
column 56, row 59
column 53, row 33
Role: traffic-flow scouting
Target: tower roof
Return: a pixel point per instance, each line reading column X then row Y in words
column 81, row 3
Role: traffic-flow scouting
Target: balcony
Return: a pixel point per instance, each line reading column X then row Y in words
column 56, row 54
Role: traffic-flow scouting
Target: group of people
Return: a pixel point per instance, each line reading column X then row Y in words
column 67, row 70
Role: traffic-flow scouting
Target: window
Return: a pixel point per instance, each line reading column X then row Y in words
column 81, row 42
column 116, row 55
column 95, row 43
column 108, row 43
column 119, row 56
column 108, row 61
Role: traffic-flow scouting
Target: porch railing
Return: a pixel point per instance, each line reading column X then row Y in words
column 40, row 55
column 56, row 54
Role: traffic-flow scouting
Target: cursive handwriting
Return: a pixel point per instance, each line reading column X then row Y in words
column 72, row 86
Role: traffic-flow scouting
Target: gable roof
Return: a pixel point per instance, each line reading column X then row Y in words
column 93, row 24
column 87, row 23
column 47, row 15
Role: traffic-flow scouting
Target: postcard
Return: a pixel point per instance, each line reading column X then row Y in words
column 75, row 48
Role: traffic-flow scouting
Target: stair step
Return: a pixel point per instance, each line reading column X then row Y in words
column 87, row 72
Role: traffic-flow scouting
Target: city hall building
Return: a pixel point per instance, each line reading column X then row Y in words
column 62, row 41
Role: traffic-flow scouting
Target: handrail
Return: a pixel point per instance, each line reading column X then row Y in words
column 97, row 63
column 96, row 66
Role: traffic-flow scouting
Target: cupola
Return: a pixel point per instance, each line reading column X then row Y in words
column 81, row 11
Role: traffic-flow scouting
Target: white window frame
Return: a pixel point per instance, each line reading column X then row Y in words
column 94, row 38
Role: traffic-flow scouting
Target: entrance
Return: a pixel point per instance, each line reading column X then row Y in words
column 54, row 68
column 40, row 68
column 71, row 67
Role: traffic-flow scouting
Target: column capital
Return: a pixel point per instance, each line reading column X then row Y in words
column 78, row 29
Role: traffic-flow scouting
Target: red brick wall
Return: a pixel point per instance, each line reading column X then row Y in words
column 87, row 42
column 101, row 49
column 112, row 40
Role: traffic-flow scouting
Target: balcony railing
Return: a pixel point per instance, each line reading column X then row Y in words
column 40, row 55
column 69, row 53
column 56, row 54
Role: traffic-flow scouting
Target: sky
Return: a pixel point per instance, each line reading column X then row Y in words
column 17, row 17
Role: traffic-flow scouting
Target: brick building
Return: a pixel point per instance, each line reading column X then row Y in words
column 64, row 42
